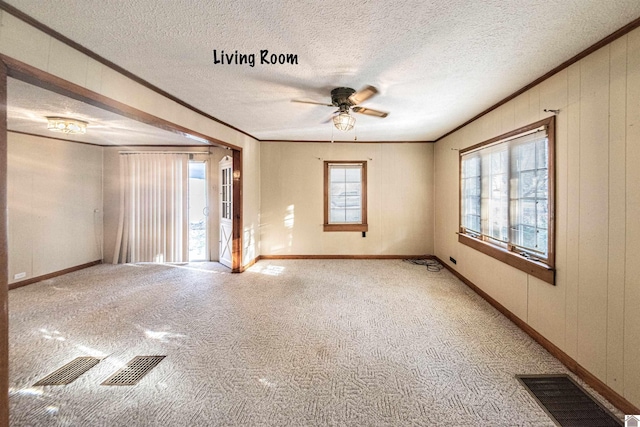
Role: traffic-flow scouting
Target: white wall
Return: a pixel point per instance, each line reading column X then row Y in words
column 592, row 312
column 251, row 197
column 55, row 205
column 399, row 193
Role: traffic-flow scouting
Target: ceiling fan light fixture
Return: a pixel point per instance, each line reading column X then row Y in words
column 66, row 125
column 344, row 121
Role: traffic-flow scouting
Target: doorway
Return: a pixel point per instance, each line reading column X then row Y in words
column 10, row 67
column 198, row 212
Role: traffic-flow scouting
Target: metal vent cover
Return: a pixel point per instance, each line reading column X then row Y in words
column 134, row 370
column 69, row 372
column 566, row 402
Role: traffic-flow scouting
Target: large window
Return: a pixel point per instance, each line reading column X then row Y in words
column 345, row 196
column 506, row 198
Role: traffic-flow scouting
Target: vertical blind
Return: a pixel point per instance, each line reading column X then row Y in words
column 153, row 222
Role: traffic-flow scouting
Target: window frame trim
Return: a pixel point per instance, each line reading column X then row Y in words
column 542, row 270
column 363, row 225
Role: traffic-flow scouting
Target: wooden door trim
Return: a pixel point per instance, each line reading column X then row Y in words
column 4, row 255
column 225, row 244
column 237, row 213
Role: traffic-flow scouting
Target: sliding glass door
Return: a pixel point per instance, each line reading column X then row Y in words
column 198, row 211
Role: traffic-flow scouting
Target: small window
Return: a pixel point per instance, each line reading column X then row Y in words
column 506, row 198
column 226, row 193
column 345, row 196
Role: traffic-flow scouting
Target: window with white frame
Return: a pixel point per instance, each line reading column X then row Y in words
column 506, row 198
column 345, row 196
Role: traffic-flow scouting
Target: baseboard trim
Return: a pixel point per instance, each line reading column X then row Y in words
column 249, row 264
column 52, row 275
column 598, row 385
column 259, row 257
column 345, row 257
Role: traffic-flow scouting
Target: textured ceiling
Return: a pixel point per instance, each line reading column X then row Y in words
column 436, row 63
column 29, row 106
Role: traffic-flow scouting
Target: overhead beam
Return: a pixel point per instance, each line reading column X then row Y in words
column 32, row 75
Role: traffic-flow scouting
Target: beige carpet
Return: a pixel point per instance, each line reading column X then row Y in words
column 288, row 343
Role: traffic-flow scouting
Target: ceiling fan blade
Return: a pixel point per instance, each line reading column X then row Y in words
column 370, row 112
column 302, row 101
column 362, row 95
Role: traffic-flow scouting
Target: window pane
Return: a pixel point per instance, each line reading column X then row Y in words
column 528, row 212
column 530, row 207
column 499, row 186
column 542, row 208
column 494, row 202
column 471, row 193
column 475, row 223
column 345, row 194
column 345, row 200
column 542, row 153
column 542, row 183
column 337, row 188
column 336, row 175
column 352, row 174
column 498, row 220
column 498, row 162
column 474, row 167
column 529, row 237
column 474, row 206
column 526, row 157
column 527, row 184
column 353, row 215
column 542, row 241
column 337, row 216
column 352, row 190
column 471, row 166
column 475, row 188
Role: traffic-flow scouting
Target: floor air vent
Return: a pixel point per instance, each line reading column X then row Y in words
column 566, row 402
column 133, row 371
column 69, row 372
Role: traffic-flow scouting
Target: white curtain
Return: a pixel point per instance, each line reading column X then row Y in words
column 153, row 224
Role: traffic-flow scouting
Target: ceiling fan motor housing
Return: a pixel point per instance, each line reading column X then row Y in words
column 340, row 96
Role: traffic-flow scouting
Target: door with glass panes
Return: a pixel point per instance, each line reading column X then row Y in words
column 226, row 209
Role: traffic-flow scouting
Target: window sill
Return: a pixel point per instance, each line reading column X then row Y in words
column 346, row 227
column 534, row 268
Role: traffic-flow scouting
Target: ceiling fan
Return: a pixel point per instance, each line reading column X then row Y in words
column 347, row 99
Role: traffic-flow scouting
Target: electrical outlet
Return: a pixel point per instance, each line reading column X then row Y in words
column 453, row 260
column 19, row 275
